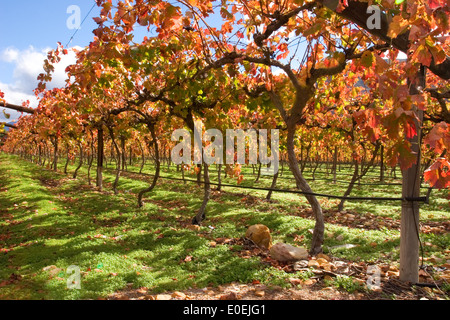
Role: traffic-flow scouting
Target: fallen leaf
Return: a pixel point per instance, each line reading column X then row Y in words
column 193, row 227
column 313, row 263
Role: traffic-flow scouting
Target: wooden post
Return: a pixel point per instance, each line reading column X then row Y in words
column 409, row 233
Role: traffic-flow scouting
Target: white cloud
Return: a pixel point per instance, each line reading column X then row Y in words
column 28, row 64
column 9, row 54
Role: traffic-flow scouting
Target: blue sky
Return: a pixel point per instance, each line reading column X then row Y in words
column 28, row 29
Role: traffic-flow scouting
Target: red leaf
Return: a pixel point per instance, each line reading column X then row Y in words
column 402, row 154
column 439, row 137
column 341, row 6
column 438, row 174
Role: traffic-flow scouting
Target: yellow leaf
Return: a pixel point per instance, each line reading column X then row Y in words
column 397, row 26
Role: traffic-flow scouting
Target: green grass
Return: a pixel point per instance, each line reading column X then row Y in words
column 47, row 218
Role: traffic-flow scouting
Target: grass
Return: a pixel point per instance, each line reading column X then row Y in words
column 48, row 219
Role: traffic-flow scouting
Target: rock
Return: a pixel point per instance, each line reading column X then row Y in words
column 230, row 296
column 285, row 252
column 300, row 265
column 295, row 281
column 179, row 295
column 309, row 282
column 260, row 293
column 260, row 234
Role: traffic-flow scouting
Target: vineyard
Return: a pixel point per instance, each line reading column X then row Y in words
column 348, row 198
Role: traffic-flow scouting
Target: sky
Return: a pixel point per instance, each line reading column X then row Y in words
column 28, row 30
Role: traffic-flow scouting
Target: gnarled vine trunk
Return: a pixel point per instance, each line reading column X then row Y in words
column 302, row 184
column 119, row 158
column 157, row 165
column 99, row 181
column 201, row 214
column 81, row 161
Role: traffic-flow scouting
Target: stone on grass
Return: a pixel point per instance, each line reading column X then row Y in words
column 285, row 252
column 260, row 234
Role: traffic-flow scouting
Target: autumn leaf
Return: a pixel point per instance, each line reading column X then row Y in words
column 342, row 5
column 367, row 59
column 380, row 64
column 314, row 29
column 434, row 4
column 438, row 174
column 401, row 153
column 422, row 55
column 439, row 137
column 397, row 26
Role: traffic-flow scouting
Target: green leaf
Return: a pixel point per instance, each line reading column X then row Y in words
column 7, row 115
column 313, row 30
column 367, row 59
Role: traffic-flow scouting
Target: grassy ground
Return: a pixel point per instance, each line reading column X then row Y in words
column 49, row 222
